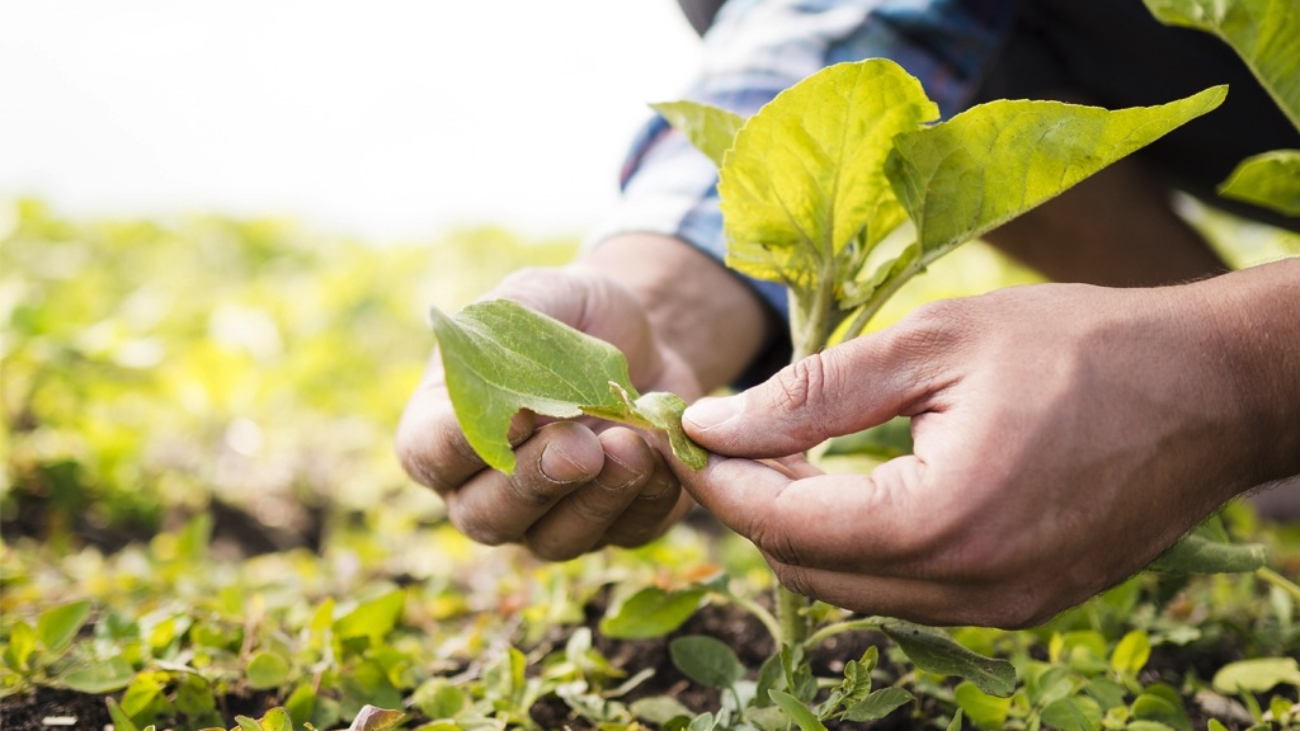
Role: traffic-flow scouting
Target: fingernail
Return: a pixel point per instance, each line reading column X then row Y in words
column 709, row 413
column 556, row 466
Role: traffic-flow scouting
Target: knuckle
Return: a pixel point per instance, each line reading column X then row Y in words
column 479, row 529
column 591, row 508
column 420, row 465
column 801, row 383
column 532, row 491
column 795, row 578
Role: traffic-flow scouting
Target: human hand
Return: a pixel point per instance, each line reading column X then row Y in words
column 579, row 484
column 1064, row 436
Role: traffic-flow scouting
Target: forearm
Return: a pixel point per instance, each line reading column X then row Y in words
column 1256, row 314
column 716, row 323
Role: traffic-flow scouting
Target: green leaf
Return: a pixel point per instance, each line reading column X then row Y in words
column 802, row 716
column 1153, row 707
column 105, row 676
column 248, row 724
column 651, row 612
column 501, row 357
column 659, row 709
column 709, row 128
column 1132, row 653
column 194, row 695
column 1078, row 713
column 376, row 719
column 935, row 652
column 438, row 698
column 277, row 719
column 664, row 412
column 1199, row 552
column 266, row 670
column 1257, row 675
column 57, row 627
column 121, row 721
column 805, row 177
column 878, row 704
column 301, row 704
column 22, row 643
column 955, row 725
column 1265, row 33
column 706, row 661
column 1271, row 179
column 963, row 177
column 373, row 619
column 984, row 710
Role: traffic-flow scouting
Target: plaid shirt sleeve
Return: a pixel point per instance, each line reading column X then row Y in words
column 755, row 49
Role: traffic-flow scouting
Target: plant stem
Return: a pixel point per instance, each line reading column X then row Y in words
column 1278, row 580
column 790, row 613
column 831, row 630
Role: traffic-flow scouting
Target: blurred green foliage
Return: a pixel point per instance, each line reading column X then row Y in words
column 151, row 368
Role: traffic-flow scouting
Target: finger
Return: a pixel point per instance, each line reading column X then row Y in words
column 431, row 445
column 844, row 389
column 579, row 521
column 495, row 508
column 1013, row 605
column 873, row 523
column 658, row 505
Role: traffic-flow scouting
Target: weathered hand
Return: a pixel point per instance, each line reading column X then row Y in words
column 1064, row 436
column 579, row 484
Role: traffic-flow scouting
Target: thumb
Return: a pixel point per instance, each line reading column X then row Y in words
column 844, row 389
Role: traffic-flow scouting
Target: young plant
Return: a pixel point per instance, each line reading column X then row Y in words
column 817, row 192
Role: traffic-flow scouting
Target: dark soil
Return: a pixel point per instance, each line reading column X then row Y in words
column 29, row 712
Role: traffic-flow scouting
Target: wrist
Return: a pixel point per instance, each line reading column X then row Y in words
column 1254, row 315
column 696, row 307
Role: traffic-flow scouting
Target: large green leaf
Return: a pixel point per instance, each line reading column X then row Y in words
column 935, row 652
column 1271, row 179
column 1265, row 33
column 707, row 127
column 1257, row 675
column 58, row 626
column 1201, row 552
column 961, row 178
column 501, row 357
column 804, row 177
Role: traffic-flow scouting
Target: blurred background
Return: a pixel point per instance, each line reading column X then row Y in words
column 388, row 120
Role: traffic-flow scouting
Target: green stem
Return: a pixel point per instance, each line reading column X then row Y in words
column 790, row 613
column 830, row 630
column 769, row 621
column 1279, row 581
column 878, row 299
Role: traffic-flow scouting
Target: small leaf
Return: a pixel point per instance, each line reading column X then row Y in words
column 373, row 619
column 1256, row 675
column 935, row 652
column 651, row 612
column 878, row 704
column 1131, row 654
column 121, row 721
column 22, row 643
column 248, row 724
column 1271, row 179
column 889, row 440
column 376, row 719
column 955, row 725
column 961, row 178
column 706, row 661
column 277, row 719
column 194, row 695
column 984, row 710
column 709, row 128
column 439, row 699
column 266, row 670
column 659, row 709
column 1152, row 707
column 301, row 704
column 102, row 677
column 1078, row 713
column 802, row 716
column 501, row 357
column 58, row 626
column 664, row 412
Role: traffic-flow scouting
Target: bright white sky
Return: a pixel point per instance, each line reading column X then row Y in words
column 389, row 119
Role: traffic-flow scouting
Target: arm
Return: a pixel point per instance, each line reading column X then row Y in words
column 1064, row 436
